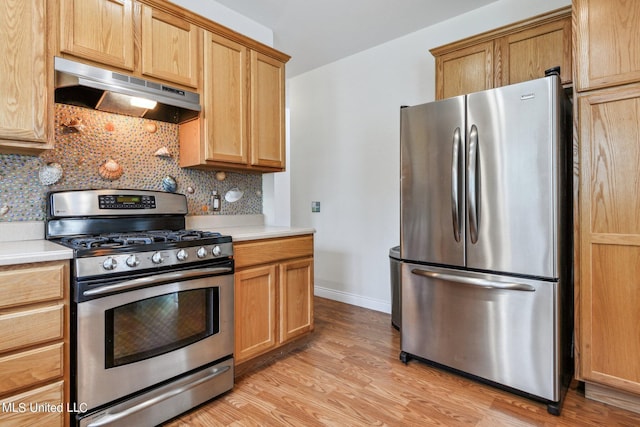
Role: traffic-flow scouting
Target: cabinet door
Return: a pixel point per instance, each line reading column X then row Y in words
column 98, row 30
column 296, row 298
column 267, row 112
column 607, row 34
column 609, row 295
column 464, row 71
column 25, row 85
column 526, row 55
column 169, row 48
column 225, row 89
column 255, row 312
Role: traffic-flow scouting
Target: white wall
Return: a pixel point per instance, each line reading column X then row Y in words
column 224, row 16
column 344, row 131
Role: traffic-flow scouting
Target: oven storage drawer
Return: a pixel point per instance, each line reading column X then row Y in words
column 27, row 327
column 31, row 367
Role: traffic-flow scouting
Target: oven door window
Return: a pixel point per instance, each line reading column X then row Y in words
column 158, row 325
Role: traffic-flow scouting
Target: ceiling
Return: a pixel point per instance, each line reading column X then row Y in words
column 319, row 32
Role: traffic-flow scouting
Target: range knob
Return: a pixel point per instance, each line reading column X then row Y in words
column 182, row 255
column 157, row 258
column 133, row 261
column 109, row 263
column 202, row 252
column 216, row 251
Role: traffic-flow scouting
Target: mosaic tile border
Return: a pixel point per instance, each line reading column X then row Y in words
column 97, row 137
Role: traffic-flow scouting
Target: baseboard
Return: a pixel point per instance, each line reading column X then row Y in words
column 353, row 299
column 613, row 397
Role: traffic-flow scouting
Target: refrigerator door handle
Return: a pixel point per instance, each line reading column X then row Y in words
column 474, row 281
column 455, row 177
column 473, row 184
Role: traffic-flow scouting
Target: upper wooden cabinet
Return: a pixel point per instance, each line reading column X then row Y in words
column 267, row 112
column 132, row 36
column 226, row 95
column 242, row 123
column 511, row 54
column 26, row 76
column 464, row 70
column 170, row 48
column 525, row 55
column 607, row 35
column 98, row 30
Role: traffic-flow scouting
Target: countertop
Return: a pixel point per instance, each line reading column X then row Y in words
column 255, row 232
column 39, row 250
column 21, row 252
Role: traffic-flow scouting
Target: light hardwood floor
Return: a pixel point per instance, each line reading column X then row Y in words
column 349, row 374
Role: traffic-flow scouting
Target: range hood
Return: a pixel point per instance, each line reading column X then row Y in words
column 91, row 87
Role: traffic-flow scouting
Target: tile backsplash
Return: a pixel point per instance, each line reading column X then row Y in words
column 87, row 139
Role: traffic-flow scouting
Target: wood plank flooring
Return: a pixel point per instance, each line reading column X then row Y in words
column 349, row 374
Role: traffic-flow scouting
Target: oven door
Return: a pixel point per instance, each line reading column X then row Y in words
column 148, row 333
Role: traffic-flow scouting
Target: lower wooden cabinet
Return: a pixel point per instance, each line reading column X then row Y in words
column 608, row 307
column 34, row 350
column 273, row 294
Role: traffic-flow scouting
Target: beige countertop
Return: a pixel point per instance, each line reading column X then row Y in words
column 39, row 249
column 25, row 251
column 255, row 232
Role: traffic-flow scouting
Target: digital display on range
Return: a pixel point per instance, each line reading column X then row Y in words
column 126, row 201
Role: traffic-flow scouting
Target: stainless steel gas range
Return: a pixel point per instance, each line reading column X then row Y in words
column 152, row 305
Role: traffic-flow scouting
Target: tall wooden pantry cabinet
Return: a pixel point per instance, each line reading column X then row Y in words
column 607, row 80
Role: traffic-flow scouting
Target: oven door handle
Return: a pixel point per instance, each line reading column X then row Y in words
column 111, row 418
column 155, row 279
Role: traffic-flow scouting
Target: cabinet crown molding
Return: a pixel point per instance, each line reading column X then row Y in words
column 515, row 27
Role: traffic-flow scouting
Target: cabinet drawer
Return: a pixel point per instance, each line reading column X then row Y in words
column 32, row 283
column 31, row 367
column 43, row 406
column 257, row 252
column 28, row 327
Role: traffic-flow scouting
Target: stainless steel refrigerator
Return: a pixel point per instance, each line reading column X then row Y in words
column 486, row 237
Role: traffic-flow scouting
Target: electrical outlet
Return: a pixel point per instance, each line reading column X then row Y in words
column 315, row 206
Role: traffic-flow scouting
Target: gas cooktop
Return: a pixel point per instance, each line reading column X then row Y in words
column 126, row 240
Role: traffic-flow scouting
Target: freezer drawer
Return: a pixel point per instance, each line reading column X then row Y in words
column 499, row 328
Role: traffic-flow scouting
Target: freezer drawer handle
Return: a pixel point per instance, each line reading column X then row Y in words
column 474, row 281
column 455, row 185
column 473, row 184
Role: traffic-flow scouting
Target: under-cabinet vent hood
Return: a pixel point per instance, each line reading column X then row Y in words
column 91, row 87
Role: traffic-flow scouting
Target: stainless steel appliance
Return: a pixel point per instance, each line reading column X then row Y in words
column 92, row 87
column 486, row 236
column 152, row 305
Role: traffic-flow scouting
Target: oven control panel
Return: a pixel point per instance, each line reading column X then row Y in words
column 126, row 201
column 130, row 262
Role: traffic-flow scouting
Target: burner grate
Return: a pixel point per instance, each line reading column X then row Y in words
column 114, row 240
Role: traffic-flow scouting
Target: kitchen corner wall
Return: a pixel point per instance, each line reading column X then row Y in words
column 345, row 152
column 132, row 143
